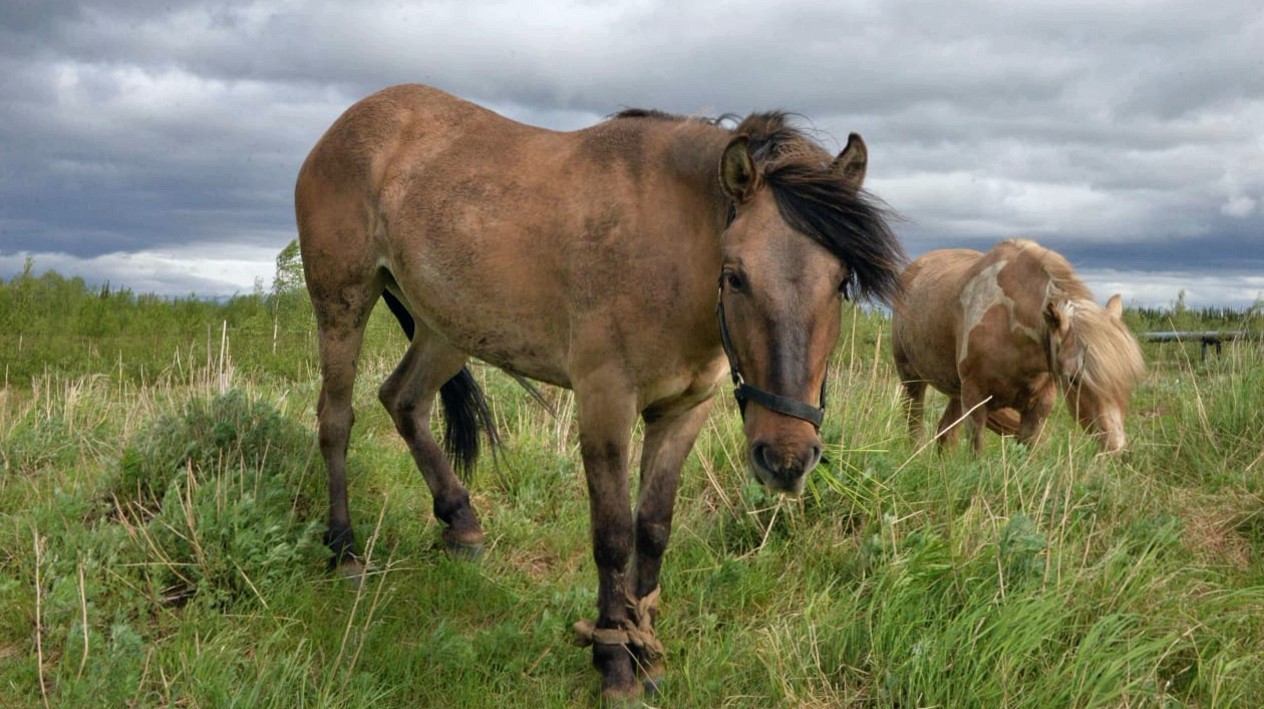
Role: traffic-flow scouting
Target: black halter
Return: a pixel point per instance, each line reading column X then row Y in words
column 744, row 392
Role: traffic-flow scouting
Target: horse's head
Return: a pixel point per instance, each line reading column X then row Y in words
column 1097, row 363
column 802, row 235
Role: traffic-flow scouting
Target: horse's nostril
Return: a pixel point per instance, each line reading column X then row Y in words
column 813, row 457
column 767, row 457
column 762, row 453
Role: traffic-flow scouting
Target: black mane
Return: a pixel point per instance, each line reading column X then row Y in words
column 655, row 114
column 816, row 200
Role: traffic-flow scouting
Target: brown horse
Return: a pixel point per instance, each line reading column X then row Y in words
column 588, row 260
column 1000, row 332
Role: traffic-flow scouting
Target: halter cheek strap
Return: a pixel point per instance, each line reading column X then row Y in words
column 744, row 392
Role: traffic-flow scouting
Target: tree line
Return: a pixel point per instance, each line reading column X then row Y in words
column 53, row 321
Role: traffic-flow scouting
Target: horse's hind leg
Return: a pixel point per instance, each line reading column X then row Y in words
column 340, row 324
column 409, row 394
column 949, row 423
column 914, row 390
column 914, row 406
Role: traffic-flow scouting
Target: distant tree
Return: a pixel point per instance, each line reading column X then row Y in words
column 25, row 310
column 289, row 271
column 289, row 291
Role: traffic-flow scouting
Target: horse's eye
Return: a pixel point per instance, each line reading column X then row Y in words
column 844, row 288
column 734, row 281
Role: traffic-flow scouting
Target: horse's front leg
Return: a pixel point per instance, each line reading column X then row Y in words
column 974, row 404
column 669, row 436
column 606, row 415
column 1035, row 413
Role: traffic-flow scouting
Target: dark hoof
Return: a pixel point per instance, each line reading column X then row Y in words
column 652, row 675
column 464, row 551
column 652, row 686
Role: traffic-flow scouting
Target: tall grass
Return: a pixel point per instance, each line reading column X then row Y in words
column 159, row 545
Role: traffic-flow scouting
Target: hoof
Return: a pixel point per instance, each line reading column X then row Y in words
column 353, row 570
column 652, row 686
column 629, row 699
column 652, row 677
column 464, row 551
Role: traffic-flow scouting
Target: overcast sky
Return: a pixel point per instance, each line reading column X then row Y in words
column 155, row 143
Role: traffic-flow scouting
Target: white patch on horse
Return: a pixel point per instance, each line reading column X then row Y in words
column 979, row 295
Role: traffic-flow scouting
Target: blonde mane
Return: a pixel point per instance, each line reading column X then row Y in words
column 1112, row 358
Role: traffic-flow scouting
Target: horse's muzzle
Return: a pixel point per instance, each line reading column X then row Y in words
column 783, row 469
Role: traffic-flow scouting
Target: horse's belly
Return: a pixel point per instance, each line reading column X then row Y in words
column 525, row 357
column 528, row 367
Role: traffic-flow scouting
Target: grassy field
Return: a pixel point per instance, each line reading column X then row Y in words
column 161, row 503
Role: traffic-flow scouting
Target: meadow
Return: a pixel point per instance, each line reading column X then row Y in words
column 162, row 500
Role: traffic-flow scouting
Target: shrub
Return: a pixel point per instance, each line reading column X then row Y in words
column 216, row 493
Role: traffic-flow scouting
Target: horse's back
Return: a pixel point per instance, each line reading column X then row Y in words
column 514, row 242
column 380, row 132
column 925, row 321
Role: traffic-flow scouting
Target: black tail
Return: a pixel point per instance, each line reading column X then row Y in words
column 465, row 408
column 465, row 412
column 401, row 313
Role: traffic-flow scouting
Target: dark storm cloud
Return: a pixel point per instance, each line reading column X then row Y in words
column 1126, row 134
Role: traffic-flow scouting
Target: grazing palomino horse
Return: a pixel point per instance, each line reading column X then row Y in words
column 588, row 260
column 1000, row 332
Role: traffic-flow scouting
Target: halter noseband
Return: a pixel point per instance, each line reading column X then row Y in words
column 744, row 392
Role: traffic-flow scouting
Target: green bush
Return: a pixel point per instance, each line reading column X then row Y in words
column 37, row 443
column 211, row 436
column 217, row 490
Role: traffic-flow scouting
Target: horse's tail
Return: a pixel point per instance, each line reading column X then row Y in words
column 465, row 409
column 401, row 313
column 1004, row 421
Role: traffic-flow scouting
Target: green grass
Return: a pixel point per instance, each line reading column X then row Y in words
column 161, row 504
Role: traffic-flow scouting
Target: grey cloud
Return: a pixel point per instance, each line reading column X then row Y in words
column 128, row 126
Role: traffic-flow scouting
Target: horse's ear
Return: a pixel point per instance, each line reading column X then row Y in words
column 738, row 176
column 853, row 161
column 1115, row 306
column 1053, row 316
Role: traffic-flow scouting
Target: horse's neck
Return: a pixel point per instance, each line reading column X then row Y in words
column 693, row 150
column 693, row 155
